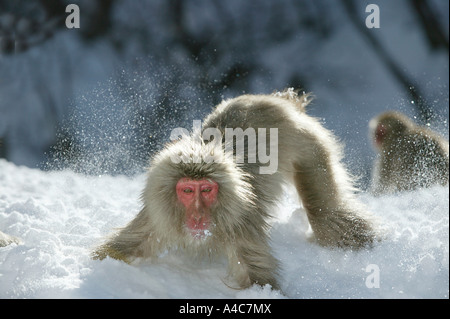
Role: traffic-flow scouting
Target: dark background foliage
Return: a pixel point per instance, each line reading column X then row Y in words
column 102, row 98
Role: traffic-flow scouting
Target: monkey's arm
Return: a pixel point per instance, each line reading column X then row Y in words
column 6, row 240
column 129, row 242
column 252, row 263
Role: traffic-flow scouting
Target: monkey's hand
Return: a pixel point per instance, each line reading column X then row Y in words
column 6, row 240
column 105, row 250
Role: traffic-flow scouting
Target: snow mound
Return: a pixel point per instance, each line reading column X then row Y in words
column 61, row 216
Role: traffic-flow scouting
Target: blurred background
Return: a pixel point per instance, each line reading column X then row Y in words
column 102, row 98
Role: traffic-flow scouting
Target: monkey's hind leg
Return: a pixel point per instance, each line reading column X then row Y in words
column 336, row 218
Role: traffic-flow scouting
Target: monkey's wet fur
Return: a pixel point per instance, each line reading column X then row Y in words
column 222, row 207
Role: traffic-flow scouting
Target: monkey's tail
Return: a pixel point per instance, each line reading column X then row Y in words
column 300, row 100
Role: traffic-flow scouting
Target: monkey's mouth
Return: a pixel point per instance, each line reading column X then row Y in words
column 199, row 231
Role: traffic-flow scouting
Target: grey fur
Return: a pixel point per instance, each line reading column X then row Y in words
column 411, row 156
column 6, row 240
column 308, row 156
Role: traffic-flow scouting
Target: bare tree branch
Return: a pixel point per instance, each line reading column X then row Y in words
column 430, row 24
column 422, row 107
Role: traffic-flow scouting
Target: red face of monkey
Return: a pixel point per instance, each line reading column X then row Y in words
column 380, row 134
column 197, row 196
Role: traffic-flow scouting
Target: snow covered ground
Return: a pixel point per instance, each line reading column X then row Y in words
column 61, row 215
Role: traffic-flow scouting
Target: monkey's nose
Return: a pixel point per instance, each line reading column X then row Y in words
column 198, row 215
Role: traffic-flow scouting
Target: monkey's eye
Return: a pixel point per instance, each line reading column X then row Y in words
column 206, row 190
column 187, row 190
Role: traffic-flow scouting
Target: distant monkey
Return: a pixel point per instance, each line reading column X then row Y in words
column 409, row 156
column 200, row 198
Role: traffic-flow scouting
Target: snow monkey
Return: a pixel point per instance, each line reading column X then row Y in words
column 409, row 156
column 199, row 197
